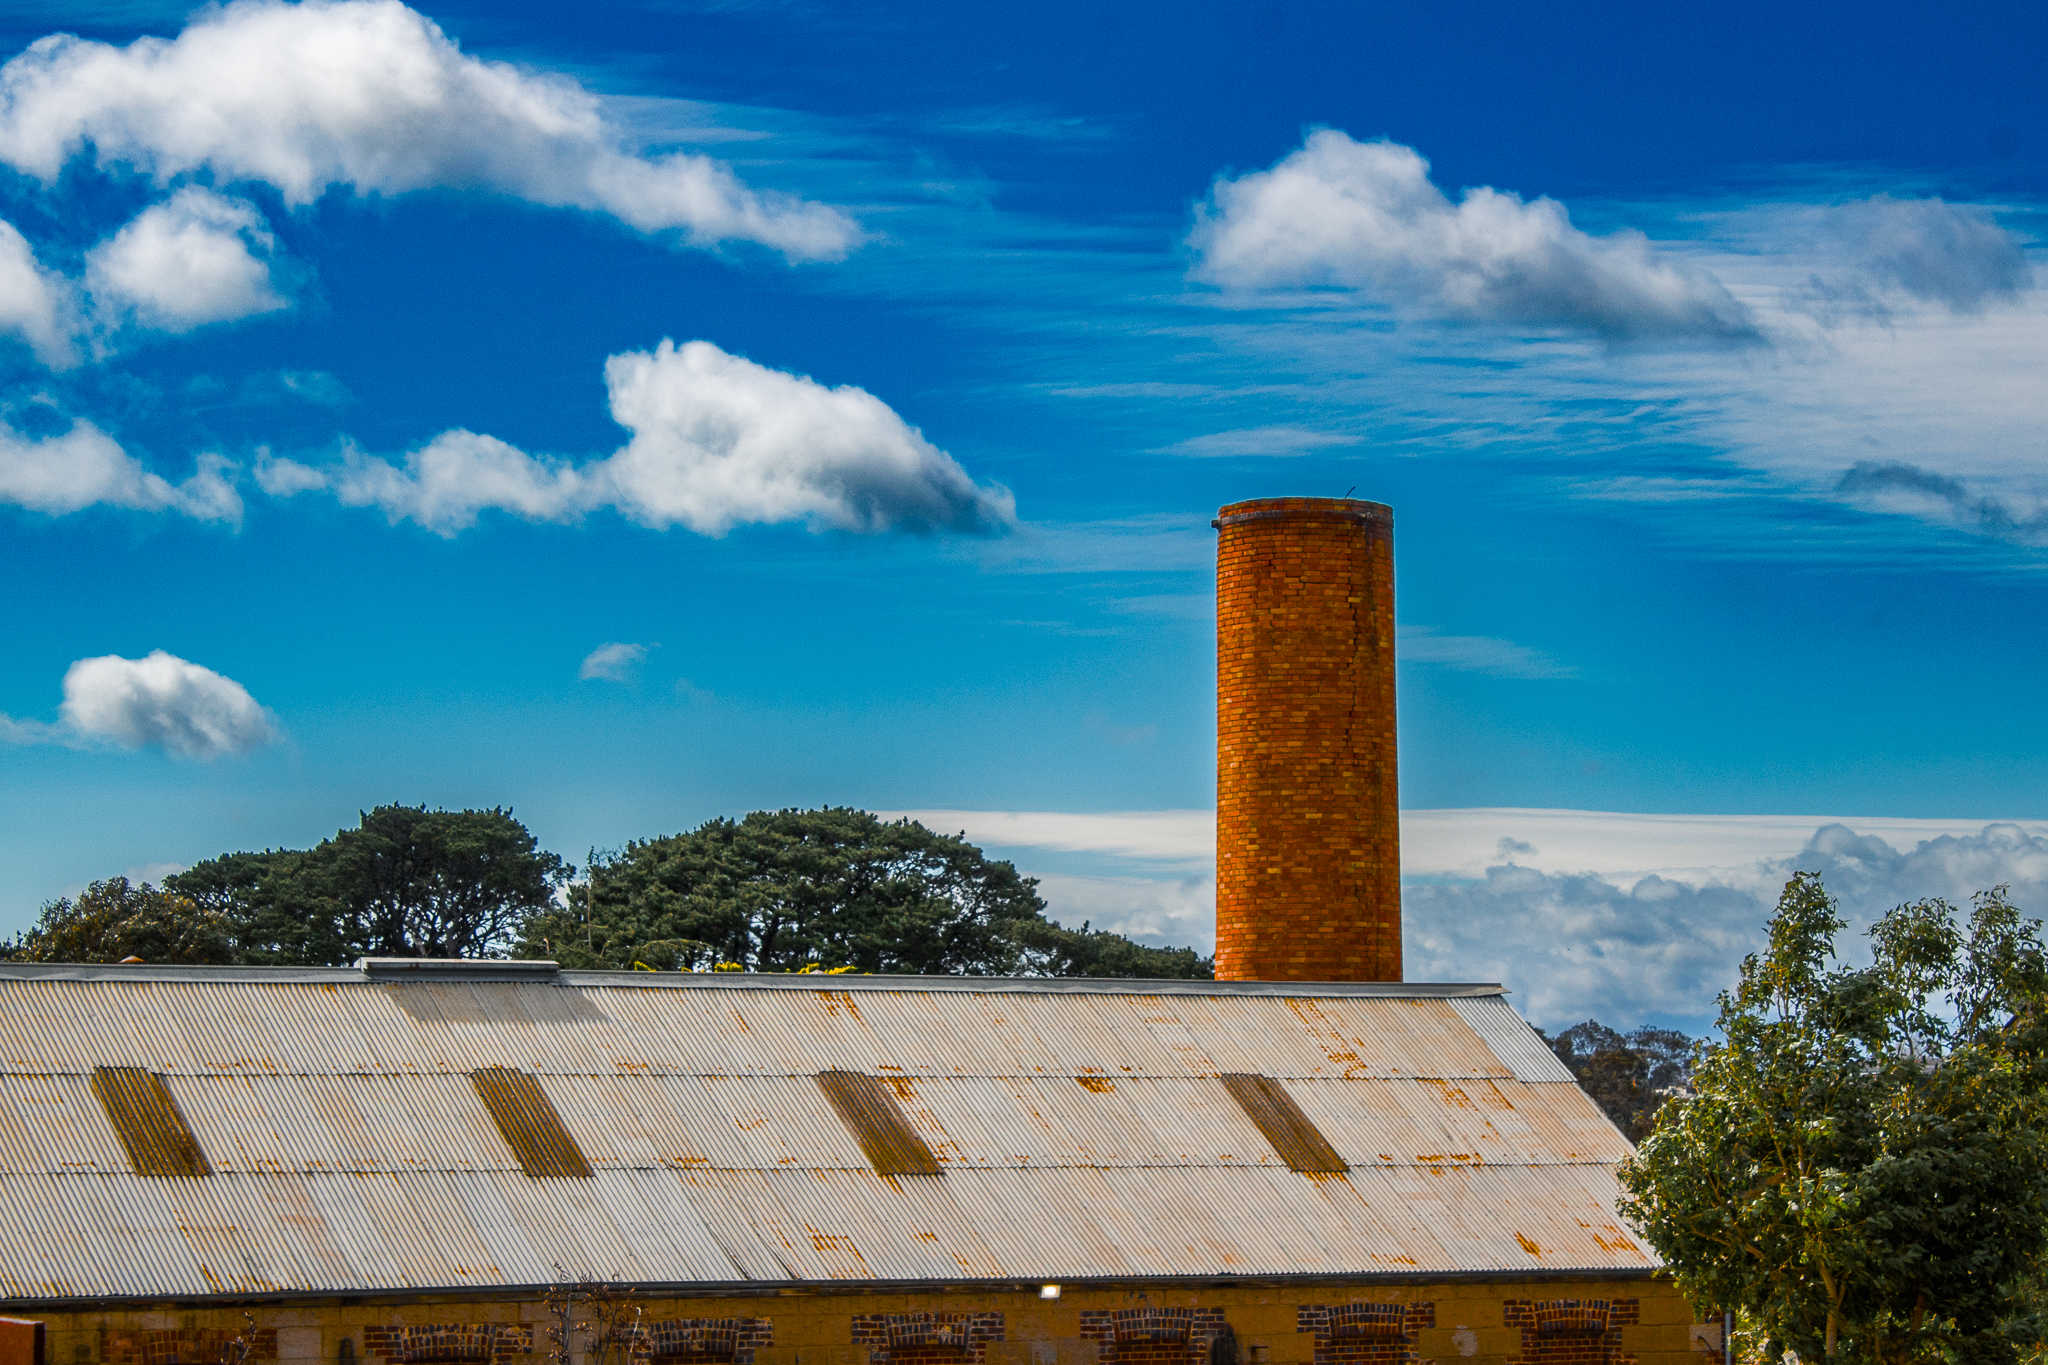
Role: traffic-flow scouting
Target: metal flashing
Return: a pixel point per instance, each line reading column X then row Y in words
column 146, row 1118
column 532, row 1128
column 867, row 1106
column 389, row 970
column 724, row 1289
column 455, row 969
column 1294, row 1136
column 1034, row 985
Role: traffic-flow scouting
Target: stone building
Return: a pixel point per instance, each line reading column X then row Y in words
column 1309, row 1162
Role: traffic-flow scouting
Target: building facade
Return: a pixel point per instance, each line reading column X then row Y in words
column 392, row 1164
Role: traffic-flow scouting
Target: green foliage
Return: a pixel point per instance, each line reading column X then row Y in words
column 1627, row 1075
column 792, row 890
column 1862, row 1167
column 111, row 921
column 407, row 882
column 281, row 915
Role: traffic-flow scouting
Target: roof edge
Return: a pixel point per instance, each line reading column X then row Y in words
column 757, row 1289
column 382, row 971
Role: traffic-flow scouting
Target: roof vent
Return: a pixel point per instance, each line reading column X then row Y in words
column 454, row 969
column 143, row 1112
column 1298, row 1141
column 868, row 1109
column 532, row 1128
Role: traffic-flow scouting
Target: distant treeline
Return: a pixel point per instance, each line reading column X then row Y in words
column 776, row 891
column 1629, row 1075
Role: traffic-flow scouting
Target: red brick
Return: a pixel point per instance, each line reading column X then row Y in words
column 1308, row 852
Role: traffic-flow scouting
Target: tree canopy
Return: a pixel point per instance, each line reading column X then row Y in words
column 774, row 891
column 791, row 890
column 112, row 921
column 1862, row 1165
column 406, row 882
column 1629, row 1075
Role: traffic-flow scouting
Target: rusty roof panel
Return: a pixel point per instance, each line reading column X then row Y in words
column 1078, row 1133
column 532, row 1128
column 869, row 1109
column 146, row 1119
column 1280, row 1120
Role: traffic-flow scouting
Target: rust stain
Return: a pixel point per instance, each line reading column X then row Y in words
column 1452, row 1095
column 905, row 1088
column 1099, row 1084
column 1528, row 1245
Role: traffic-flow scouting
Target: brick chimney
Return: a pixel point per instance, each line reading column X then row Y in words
column 1308, row 838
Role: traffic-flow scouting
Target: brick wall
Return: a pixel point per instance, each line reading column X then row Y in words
column 1271, row 1324
column 685, row 1341
column 1308, row 862
column 185, row 1345
column 1365, row 1333
column 1152, row 1336
column 927, row 1338
column 1571, row 1331
column 430, row 1343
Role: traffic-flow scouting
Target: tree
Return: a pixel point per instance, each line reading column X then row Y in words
column 1862, row 1167
column 281, row 914
column 1628, row 1075
column 794, row 889
column 407, row 882
column 111, row 921
column 412, row 882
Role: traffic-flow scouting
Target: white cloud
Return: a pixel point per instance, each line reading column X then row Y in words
column 197, row 258
column 1365, row 216
column 613, row 662
column 1579, row 944
column 1165, row 835
column 84, row 467
column 1621, row 917
column 719, row 440
column 158, row 702
column 716, row 441
column 370, row 95
column 447, row 482
column 1172, row 912
column 1279, row 440
column 36, row 305
column 1478, row 654
column 161, row 701
column 1937, row 252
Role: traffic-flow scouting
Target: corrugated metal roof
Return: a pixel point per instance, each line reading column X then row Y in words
column 1075, row 1134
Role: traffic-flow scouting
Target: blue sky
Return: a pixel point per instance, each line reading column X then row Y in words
column 636, row 413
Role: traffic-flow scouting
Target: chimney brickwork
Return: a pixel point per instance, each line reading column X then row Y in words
column 1308, row 865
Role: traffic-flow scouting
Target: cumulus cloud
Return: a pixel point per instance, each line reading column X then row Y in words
column 716, row 441
column 1948, row 254
column 156, row 702
column 197, row 258
column 719, row 440
column 85, row 467
column 1478, row 654
column 372, row 96
column 1662, row 945
column 1364, row 215
column 36, row 305
column 163, row 702
column 613, row 662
